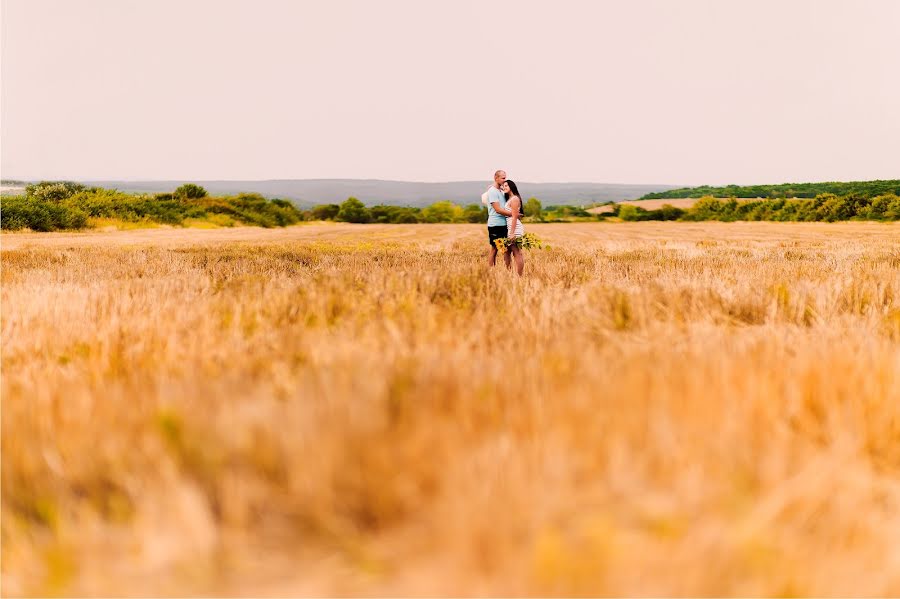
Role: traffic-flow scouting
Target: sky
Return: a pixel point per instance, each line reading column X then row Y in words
column 682, row 92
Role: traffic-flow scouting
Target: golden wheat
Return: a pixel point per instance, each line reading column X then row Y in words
column 654, row 409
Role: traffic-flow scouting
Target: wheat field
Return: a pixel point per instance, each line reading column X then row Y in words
column 653, row 409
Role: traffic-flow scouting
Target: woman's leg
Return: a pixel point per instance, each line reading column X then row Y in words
column 519, row 257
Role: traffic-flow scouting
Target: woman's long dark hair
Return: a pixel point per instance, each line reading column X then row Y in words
column 515, row 192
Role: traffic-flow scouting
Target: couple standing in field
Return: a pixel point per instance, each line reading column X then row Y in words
column 505, row 214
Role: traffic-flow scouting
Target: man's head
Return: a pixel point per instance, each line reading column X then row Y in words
column 499, row 178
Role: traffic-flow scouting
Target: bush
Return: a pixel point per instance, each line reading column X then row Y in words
column 325, row 212
column 669, row 212
column 565, row 211
column 707, row 209
column 73, row 212
column 53, row 191
column 443, row 212
column 19, row 212
column 628, row 212
column 892, row 211
column 189, row 191
column 353, row 211
column 250, row 209
column 393, row 214
column 533, row 208
column 408, row 216
column 475, row 213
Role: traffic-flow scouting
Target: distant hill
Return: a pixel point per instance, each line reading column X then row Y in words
column 865, row 189
column 308, row 192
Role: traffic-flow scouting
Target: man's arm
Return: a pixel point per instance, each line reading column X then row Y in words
column 500, row 210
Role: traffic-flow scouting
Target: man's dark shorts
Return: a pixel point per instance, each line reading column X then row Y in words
column 497, row 232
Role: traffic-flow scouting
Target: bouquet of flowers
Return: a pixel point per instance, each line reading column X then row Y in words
column 528, row 241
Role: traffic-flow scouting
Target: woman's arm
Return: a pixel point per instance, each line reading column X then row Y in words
column 513, row 204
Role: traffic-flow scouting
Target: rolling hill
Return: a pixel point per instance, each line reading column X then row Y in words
column 308, row 192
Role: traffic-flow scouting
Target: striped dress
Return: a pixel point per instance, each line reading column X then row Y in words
column 520, row 228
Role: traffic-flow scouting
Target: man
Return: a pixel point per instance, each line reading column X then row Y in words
column 497, row 213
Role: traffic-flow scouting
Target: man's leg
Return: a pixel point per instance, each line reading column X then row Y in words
column 507, row 257
column 492, row 256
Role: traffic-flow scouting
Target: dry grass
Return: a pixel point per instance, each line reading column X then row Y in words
column 656, row 408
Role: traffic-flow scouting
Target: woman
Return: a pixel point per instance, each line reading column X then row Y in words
column 514, row 226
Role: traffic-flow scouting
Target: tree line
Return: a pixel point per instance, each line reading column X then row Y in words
column 824, row 207
column 352, row 210
column 865, row 189
column 50, row 206
column 55, row 205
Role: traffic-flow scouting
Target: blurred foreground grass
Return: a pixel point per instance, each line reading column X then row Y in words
column 654, row 409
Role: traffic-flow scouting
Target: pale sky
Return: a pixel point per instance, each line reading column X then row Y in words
column 637, row 91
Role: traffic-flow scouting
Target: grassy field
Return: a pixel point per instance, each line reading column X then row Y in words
column 654, row 409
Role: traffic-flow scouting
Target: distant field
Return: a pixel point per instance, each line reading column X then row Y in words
column 682, row 203
column 656, row 408
column 437, row 236
column 648, row 204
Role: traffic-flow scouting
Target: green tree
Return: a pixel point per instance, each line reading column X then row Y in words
column 893, row 208
column 475, row 213
column 880, row 206
column 405, row 215
column 533, row 208
column 325, row 212
column 863, row 189
column 442, row 212
column 630, row 212
column 381, row 213
column 669, row 212
column 189, row 191
column 353, row 211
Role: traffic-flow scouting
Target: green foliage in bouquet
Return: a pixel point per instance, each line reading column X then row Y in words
column 528, row 241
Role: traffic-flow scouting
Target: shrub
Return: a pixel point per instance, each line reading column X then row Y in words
column 408, row 216
column 560, row 212
column 353, row 211
column 53, row 191
column 628, row 212
column 189, row 191
column 393, row 214
column 73, row 212
column 892, row 211
column 533, row 208
column 443, row 212
column 669, row 212
column 325, row 212
column 706, row 209
column 39, row 215
column 475, row 213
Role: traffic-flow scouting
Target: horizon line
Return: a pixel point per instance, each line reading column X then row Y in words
column 582, row 182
